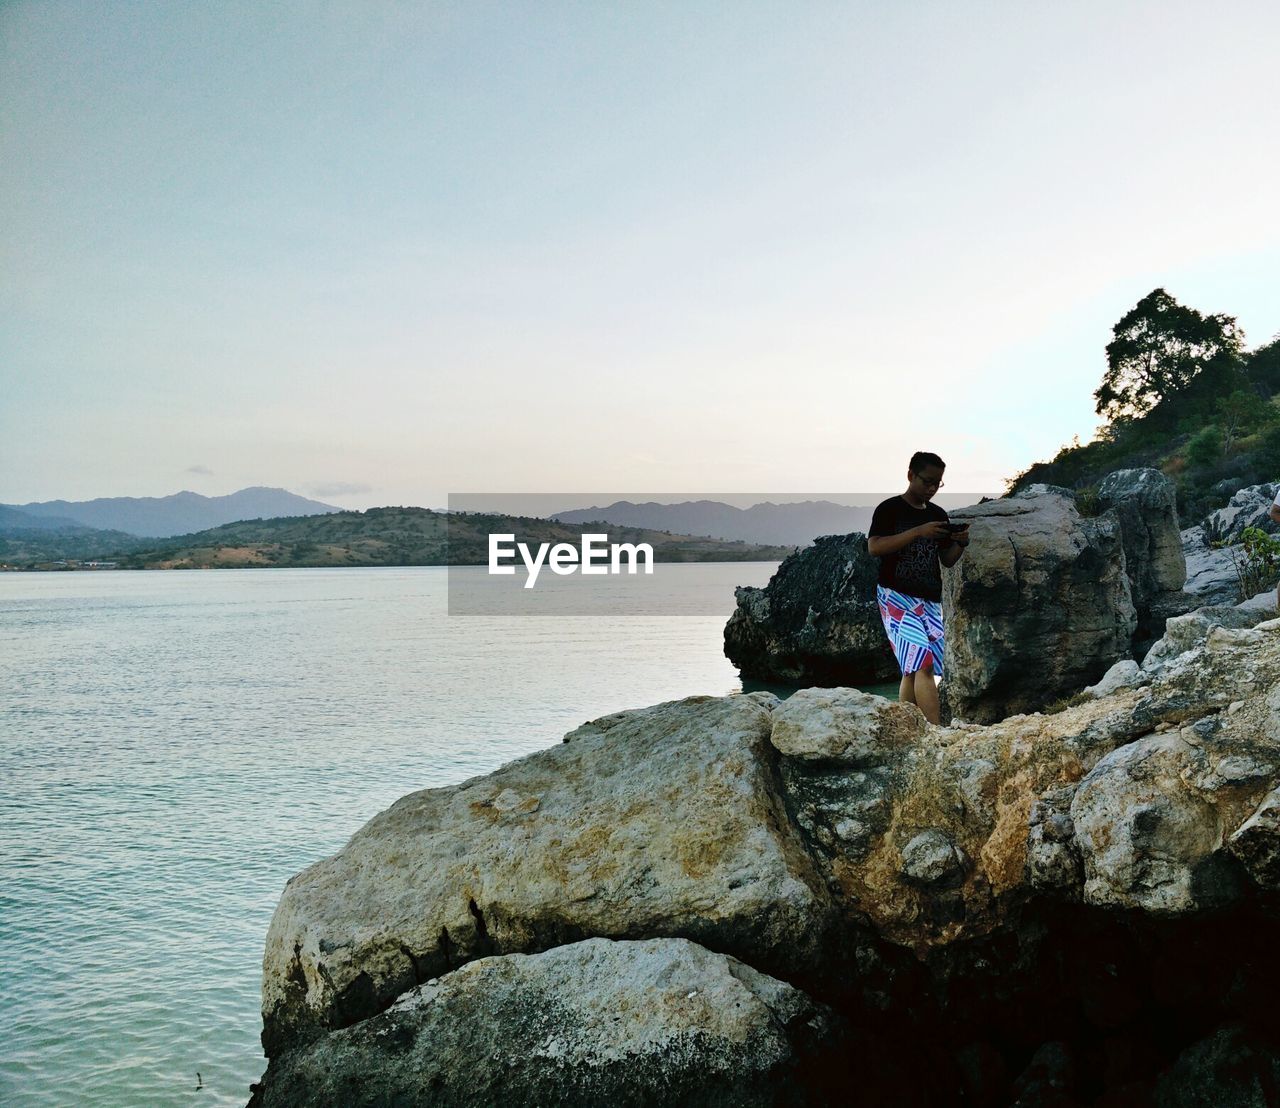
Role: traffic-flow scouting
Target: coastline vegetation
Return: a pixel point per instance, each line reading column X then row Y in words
column 394, row 536
column 1182, row 395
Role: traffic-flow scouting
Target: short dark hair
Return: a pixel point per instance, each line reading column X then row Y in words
column 922, row 458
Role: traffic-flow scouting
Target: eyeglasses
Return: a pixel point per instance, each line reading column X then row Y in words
column 930, row 484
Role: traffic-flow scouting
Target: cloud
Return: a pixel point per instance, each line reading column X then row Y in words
column 338, row 488
column 202, row 471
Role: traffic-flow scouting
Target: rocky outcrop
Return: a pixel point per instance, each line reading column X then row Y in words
column 1052, row 903
column 1039, row 607
column 1249, row 507
column 665, row 821
column 1145, row 503
column 1185, row 632
column 591, row 1023
column 816, row 622
column 1129, row 800
column 1211, row 571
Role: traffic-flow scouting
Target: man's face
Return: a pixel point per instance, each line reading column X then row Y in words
column 925, row 483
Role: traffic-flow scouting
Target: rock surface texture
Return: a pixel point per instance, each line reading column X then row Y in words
column 816, row 622
column 1039, row 607
column 1079, row 905
column 595, row 1022
column 660, row 822
column 1211, row 572
column 1248, row 507
column 1145, row 503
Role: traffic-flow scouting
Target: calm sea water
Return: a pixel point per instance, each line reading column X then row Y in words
column 174, row 746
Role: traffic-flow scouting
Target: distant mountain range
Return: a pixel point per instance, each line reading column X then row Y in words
column 377, row 536
column 779, row 524
column 183, row 513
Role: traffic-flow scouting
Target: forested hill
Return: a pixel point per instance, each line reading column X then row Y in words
column 1180, row 394
column 402, row 537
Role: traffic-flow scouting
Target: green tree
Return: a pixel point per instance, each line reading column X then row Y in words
column 1205, row 447
column 1156, row 349
column 1236, row 413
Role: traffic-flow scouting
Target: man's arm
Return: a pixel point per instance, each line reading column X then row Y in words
column 1274, row 513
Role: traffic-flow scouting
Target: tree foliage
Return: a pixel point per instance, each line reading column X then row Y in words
column 1156, row 350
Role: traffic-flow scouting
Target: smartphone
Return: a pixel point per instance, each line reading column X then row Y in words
column 955, row 528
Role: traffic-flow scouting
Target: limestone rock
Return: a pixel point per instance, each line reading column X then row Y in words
column 664, row 821
column 1114, row 863
column 931, row 858
column 1211, row 573
column 1148, row 840
column 1145, row 503
column 1264, row 602
column 1038, row 608
column 1125, row 674
column 1249, row 507
column 1152, row 816
column 1125, row 802
column 1053, row 858
column 1186, row 632
column 653, row 1022
column 816, row 622
column 1257, row 843
column 844, row 724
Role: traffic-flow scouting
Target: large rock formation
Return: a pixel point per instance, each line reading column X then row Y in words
column 660, row 822
column 816, row 622
column 1145, row 503
column 595, row 1022
column 1077, row 899
column 1212, row 547
column 1039, row 607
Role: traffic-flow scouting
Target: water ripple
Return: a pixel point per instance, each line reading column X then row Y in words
column 177, row 745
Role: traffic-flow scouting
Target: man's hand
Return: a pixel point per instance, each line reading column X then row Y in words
column 935, row 529
column 950, row 554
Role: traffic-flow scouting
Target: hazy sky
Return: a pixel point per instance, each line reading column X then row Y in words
column 377, row 253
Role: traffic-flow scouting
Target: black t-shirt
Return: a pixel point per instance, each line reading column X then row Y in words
column 915, row 569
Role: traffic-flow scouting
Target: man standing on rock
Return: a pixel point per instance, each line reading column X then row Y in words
column 913, row 538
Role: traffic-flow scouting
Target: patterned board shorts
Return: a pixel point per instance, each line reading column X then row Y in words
column 914, row 627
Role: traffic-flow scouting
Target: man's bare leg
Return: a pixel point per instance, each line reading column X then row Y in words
column 926, row 692
column 907, row 689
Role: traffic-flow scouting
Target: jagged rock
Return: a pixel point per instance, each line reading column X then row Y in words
column 931, row 858
column 664, row 821
column 816, row 622
column 1038, row 608
column 1111, row 866
column 1053, row 859
column 844, row 724
column 1247, row 508
column 653, row 1022
column 1211, row 573
column 1186, row 632
column 1257, row 843
column 1264, row 602
column 1148, row 839
column 1124, row 802
column 1145, row 502
column 1230, row 1069
column 1125, row 674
